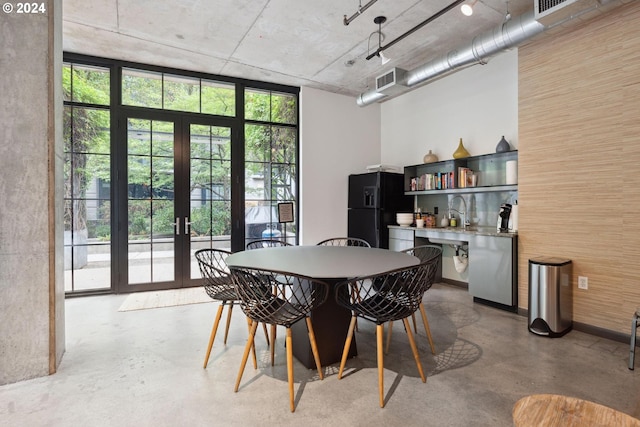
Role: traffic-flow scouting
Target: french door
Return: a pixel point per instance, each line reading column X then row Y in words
column 177, row 198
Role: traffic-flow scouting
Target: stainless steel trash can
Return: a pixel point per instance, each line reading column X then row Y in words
column 550, row 296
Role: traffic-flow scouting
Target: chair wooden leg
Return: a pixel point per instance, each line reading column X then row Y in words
column 290, row 368
column 415, row 325
column 347, row 346
column 414, row 349
column 426, row 328
column 245, row 355
column 212, row 337
column 273, row 344
column 314, row 348
column 379, row 340
column 355, row 296
column 226, row 331
column 253, row 345
column 266, row 334
column 386, row 350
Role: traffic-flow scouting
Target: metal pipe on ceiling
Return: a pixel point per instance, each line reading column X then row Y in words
column 416, row 28
column 361, row 9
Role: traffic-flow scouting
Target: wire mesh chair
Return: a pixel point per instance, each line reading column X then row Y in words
column 344, row 241
column 219, row 286
column 278, row 298
column 382, row 298
column 266, row 243
column 425, row 253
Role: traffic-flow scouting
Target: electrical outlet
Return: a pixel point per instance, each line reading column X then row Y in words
column 435, row 210
column 583, row 282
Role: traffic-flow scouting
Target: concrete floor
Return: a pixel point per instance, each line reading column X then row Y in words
column 144, row 368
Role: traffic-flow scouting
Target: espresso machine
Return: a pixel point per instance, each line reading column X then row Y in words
column 503, row 218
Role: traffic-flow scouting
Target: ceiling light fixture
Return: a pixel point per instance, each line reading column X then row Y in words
column 380, row 20
column 411, row 31
column 467, row 8
column 384, row 58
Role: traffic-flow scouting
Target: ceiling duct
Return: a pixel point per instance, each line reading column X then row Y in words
column 546, row 14
column 549, row 12
column 481, row 48
column 392, row 82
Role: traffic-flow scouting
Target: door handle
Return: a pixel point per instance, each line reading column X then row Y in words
column 177, row 225
column 187, row 225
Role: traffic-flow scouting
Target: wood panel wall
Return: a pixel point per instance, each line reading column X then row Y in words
column 579, row 162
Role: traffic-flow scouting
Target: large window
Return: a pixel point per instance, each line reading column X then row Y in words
column 87, row 178
column 162, row 162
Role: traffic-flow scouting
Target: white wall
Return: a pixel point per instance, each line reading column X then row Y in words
column 478, row 104
column 337, row 138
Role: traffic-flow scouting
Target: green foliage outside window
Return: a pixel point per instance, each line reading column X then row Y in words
column 270, row 149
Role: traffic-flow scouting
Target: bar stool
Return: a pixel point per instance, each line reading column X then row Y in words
column 635, row 322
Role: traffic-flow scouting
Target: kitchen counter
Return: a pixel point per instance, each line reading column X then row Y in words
column 475, row 231
column 492, row 258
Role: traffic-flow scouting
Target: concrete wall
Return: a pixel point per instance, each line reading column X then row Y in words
column 337, row 138
column 31, row 282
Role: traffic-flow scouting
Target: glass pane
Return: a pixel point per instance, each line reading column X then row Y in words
column 139, row 263
column 90, row 84
column 139, row 177
column 181, row 93
column 163, row 263
column 162, row 139
column 139, row 212
column 261, row 221
column 139, row 137
column 162, row 180
column 283, row 182
column 66, row 82
column 283, row 108
column 257, row 146
column 90, row 130
column 66, row 128
column 91, row 267
column 257, row 105
column 283, row 144
column 141, row 88
column 218, row 98
column 162, row 219
column 256, row 180
column 99, row 220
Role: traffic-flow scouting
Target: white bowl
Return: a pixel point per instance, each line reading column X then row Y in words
column 404, row 222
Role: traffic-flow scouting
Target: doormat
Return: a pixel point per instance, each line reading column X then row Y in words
column 167, row 298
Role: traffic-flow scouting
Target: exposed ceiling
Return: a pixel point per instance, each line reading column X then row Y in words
column 293, row 42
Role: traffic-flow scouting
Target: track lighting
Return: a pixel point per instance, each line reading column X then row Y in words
column 467, row 8
column 384, row 58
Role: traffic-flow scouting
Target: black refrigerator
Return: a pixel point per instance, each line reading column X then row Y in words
column 374, row 199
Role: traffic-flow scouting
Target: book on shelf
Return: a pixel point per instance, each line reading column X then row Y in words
column 464, row 175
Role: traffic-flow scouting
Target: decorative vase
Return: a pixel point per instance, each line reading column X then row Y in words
column 503, row 145
column 430, row 157
column 460, row 151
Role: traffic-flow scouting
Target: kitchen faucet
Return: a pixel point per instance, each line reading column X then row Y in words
column 464, row 214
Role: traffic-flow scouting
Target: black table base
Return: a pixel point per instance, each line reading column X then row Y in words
column 330, row 326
